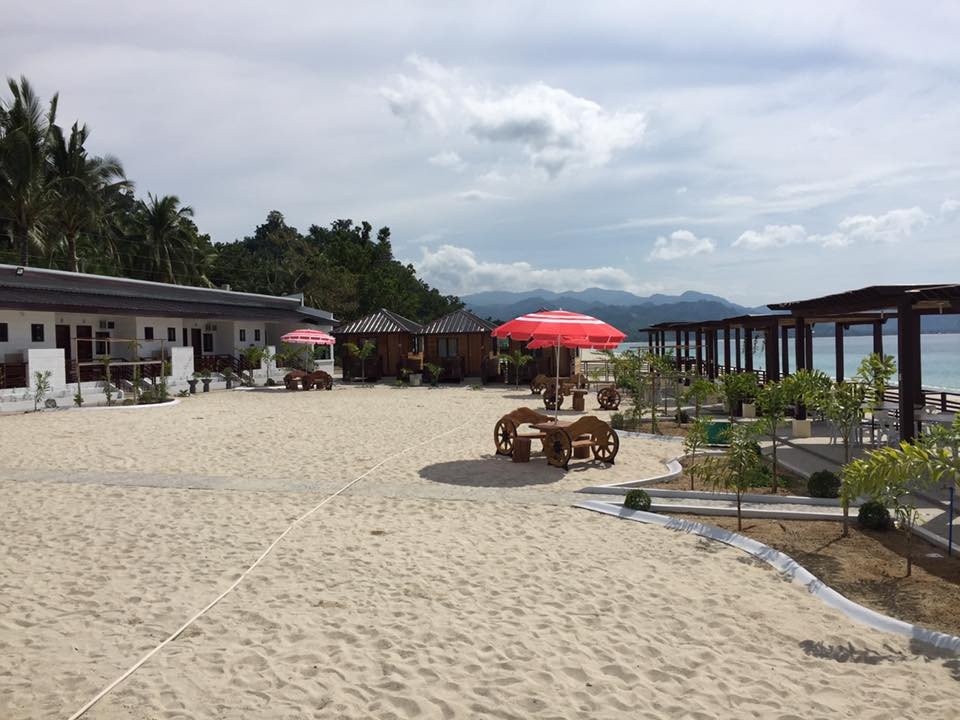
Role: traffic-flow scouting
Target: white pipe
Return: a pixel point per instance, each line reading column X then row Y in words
column 136, row 666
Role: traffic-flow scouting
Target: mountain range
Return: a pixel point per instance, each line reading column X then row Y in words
column 630, row 312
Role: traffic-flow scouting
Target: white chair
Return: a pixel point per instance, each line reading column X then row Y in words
column 885, row 426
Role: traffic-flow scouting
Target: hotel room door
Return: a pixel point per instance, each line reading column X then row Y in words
column 196, row 340
column 63, row 343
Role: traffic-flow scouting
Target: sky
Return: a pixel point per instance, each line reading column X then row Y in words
column 761, row 151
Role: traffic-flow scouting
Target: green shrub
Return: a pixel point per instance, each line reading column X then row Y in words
column 874, row 515
column 682, row 417
column 637, row 500
column 617, row 421
column 183, row 393
column 823, row 484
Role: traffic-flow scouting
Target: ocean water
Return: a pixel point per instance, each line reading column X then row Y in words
column 939, row 356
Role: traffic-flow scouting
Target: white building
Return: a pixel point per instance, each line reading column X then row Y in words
column 65, row 322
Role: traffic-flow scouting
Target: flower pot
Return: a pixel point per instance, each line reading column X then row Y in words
column 193, row 386
column 416, row 379
column 801, row 428
column 206, row 384
column 749, row 410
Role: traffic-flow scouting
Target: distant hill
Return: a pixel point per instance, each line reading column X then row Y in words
column 621, row 309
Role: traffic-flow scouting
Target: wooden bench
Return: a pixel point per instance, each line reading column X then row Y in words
column 506, row 431
column 583, row 436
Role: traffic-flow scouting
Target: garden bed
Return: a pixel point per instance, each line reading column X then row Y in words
column 868, row 566
column 790, row 483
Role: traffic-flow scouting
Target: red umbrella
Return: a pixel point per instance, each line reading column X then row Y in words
column 556, row 326
column 308, row 337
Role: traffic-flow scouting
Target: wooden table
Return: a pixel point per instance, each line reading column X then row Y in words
column 581, row 453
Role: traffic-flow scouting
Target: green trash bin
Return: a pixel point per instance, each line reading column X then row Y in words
column 717, row 431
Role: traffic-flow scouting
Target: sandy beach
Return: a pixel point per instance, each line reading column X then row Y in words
column 447, row 583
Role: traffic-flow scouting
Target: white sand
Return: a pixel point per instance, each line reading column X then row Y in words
column 400, row 600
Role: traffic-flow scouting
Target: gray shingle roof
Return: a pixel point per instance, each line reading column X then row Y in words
column 459, row 321
column 43, row 289
column 381, row 321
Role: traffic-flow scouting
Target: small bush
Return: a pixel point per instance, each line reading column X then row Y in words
column 823, row 484
column 183, row 393
column 637, row 500
column 682, row 417
column 874, row 515
column 617, row 421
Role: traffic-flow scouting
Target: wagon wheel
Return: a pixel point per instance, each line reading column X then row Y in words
column 307, row 382
column 558, row 448
column 608, row 398
column 607, row 444
column 504, row 434
column 327, row 382
column 551, row 399
column 323, row 380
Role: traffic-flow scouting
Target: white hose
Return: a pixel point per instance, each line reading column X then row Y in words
column 136, row 666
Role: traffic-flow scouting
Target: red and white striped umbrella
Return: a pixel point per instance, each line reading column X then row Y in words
column 553, row 324
column 561, row 328
column 308, row 337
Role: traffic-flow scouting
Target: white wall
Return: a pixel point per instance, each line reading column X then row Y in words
column 18, row 331
column 48, row 359
column 151, row 348
column 251, row 329
column 181, row 365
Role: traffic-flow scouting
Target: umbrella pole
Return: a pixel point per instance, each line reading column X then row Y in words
column 556, row 388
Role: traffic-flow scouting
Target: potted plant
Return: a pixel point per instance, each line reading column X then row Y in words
column 229, row 377
column 205, row 379
column 193, row 383
column 415, row 379
column 434, row 371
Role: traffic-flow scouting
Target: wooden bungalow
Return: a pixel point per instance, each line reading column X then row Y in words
column 461, row 344
column 397, row 342
column 544, row 362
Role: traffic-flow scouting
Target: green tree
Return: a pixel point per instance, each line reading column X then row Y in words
column 361, row 353
column 773, row 401
column 166, row 239
column 698, row 391
column 83, row 186
column 875, row 372
column 740, row 466
column 698, row 437
column 25, row 193
column 517, row 359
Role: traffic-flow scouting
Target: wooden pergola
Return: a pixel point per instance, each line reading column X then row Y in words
column 907, row 304
column 738, row 334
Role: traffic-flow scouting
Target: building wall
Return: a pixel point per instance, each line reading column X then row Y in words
column 18, row 329
column 391, row 349
column 473, row 347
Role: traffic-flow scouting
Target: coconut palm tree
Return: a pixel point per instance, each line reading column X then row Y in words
column 166, row 236
column 25, row 193
column 84, row 185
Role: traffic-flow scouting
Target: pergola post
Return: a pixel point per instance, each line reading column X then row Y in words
column 799, row 332
column 748, row 349
column 785, row 349
column 771, row 356
column 726, row 349
column 737, row 344
column 699, row 352
column 650, row 340
column 712, row 354
column 838, row 349
column 908, row 381
column 808, row 346
column 676, row 350
column 878, row 337
column 686, row 350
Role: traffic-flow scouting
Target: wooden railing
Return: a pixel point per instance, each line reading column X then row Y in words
column 13, row 375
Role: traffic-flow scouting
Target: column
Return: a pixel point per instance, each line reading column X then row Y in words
column 908, row 380
column 726, row 349
column 785, row 349
column 676, row 350
column 748, row 349
column 737, row 344
column 838, row 349
column 808, row 347
column 878, row 337
column 799, row 345
column 699, row 351
column 771, row 356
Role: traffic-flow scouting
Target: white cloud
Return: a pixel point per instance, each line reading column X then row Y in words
column 891, row 227
column 681, row 190
column 771, row 236
column 949, row 208
column 555, row 128
column 449, row 159
column 457, row 270
column 479, row 195
column 681, row 244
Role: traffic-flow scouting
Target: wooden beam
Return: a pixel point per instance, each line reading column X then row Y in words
column 785, row 349
column 676, row 350
column 808, row 347
column 737, row 343
column 838, row 349
column 798, row 344
column 908, row 380
column 748, row 349
column 878, row 337
column 726, row 349
column 771, row 356
column 699, row 351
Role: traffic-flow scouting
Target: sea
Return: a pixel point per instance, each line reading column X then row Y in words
column 939, row 356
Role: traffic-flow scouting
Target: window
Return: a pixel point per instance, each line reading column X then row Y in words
column 414, row 344
column 36, row 332
column 323, row 352
column 208, row 342
column 102, row 346
column 256, row 335
column 243, row 336
column 148, row 333
column 447, row 347
column 172, row 334
column 4, row 337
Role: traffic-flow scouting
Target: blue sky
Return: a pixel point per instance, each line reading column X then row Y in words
column 762, row 151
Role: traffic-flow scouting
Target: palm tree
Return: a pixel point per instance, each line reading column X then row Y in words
column 25, row 193
column 167, row 237
column 84, row 186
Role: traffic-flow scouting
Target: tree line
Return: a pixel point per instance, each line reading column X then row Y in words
column 63, row 207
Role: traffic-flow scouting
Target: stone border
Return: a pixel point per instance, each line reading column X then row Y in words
column 790, row 568
column 150, row 406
